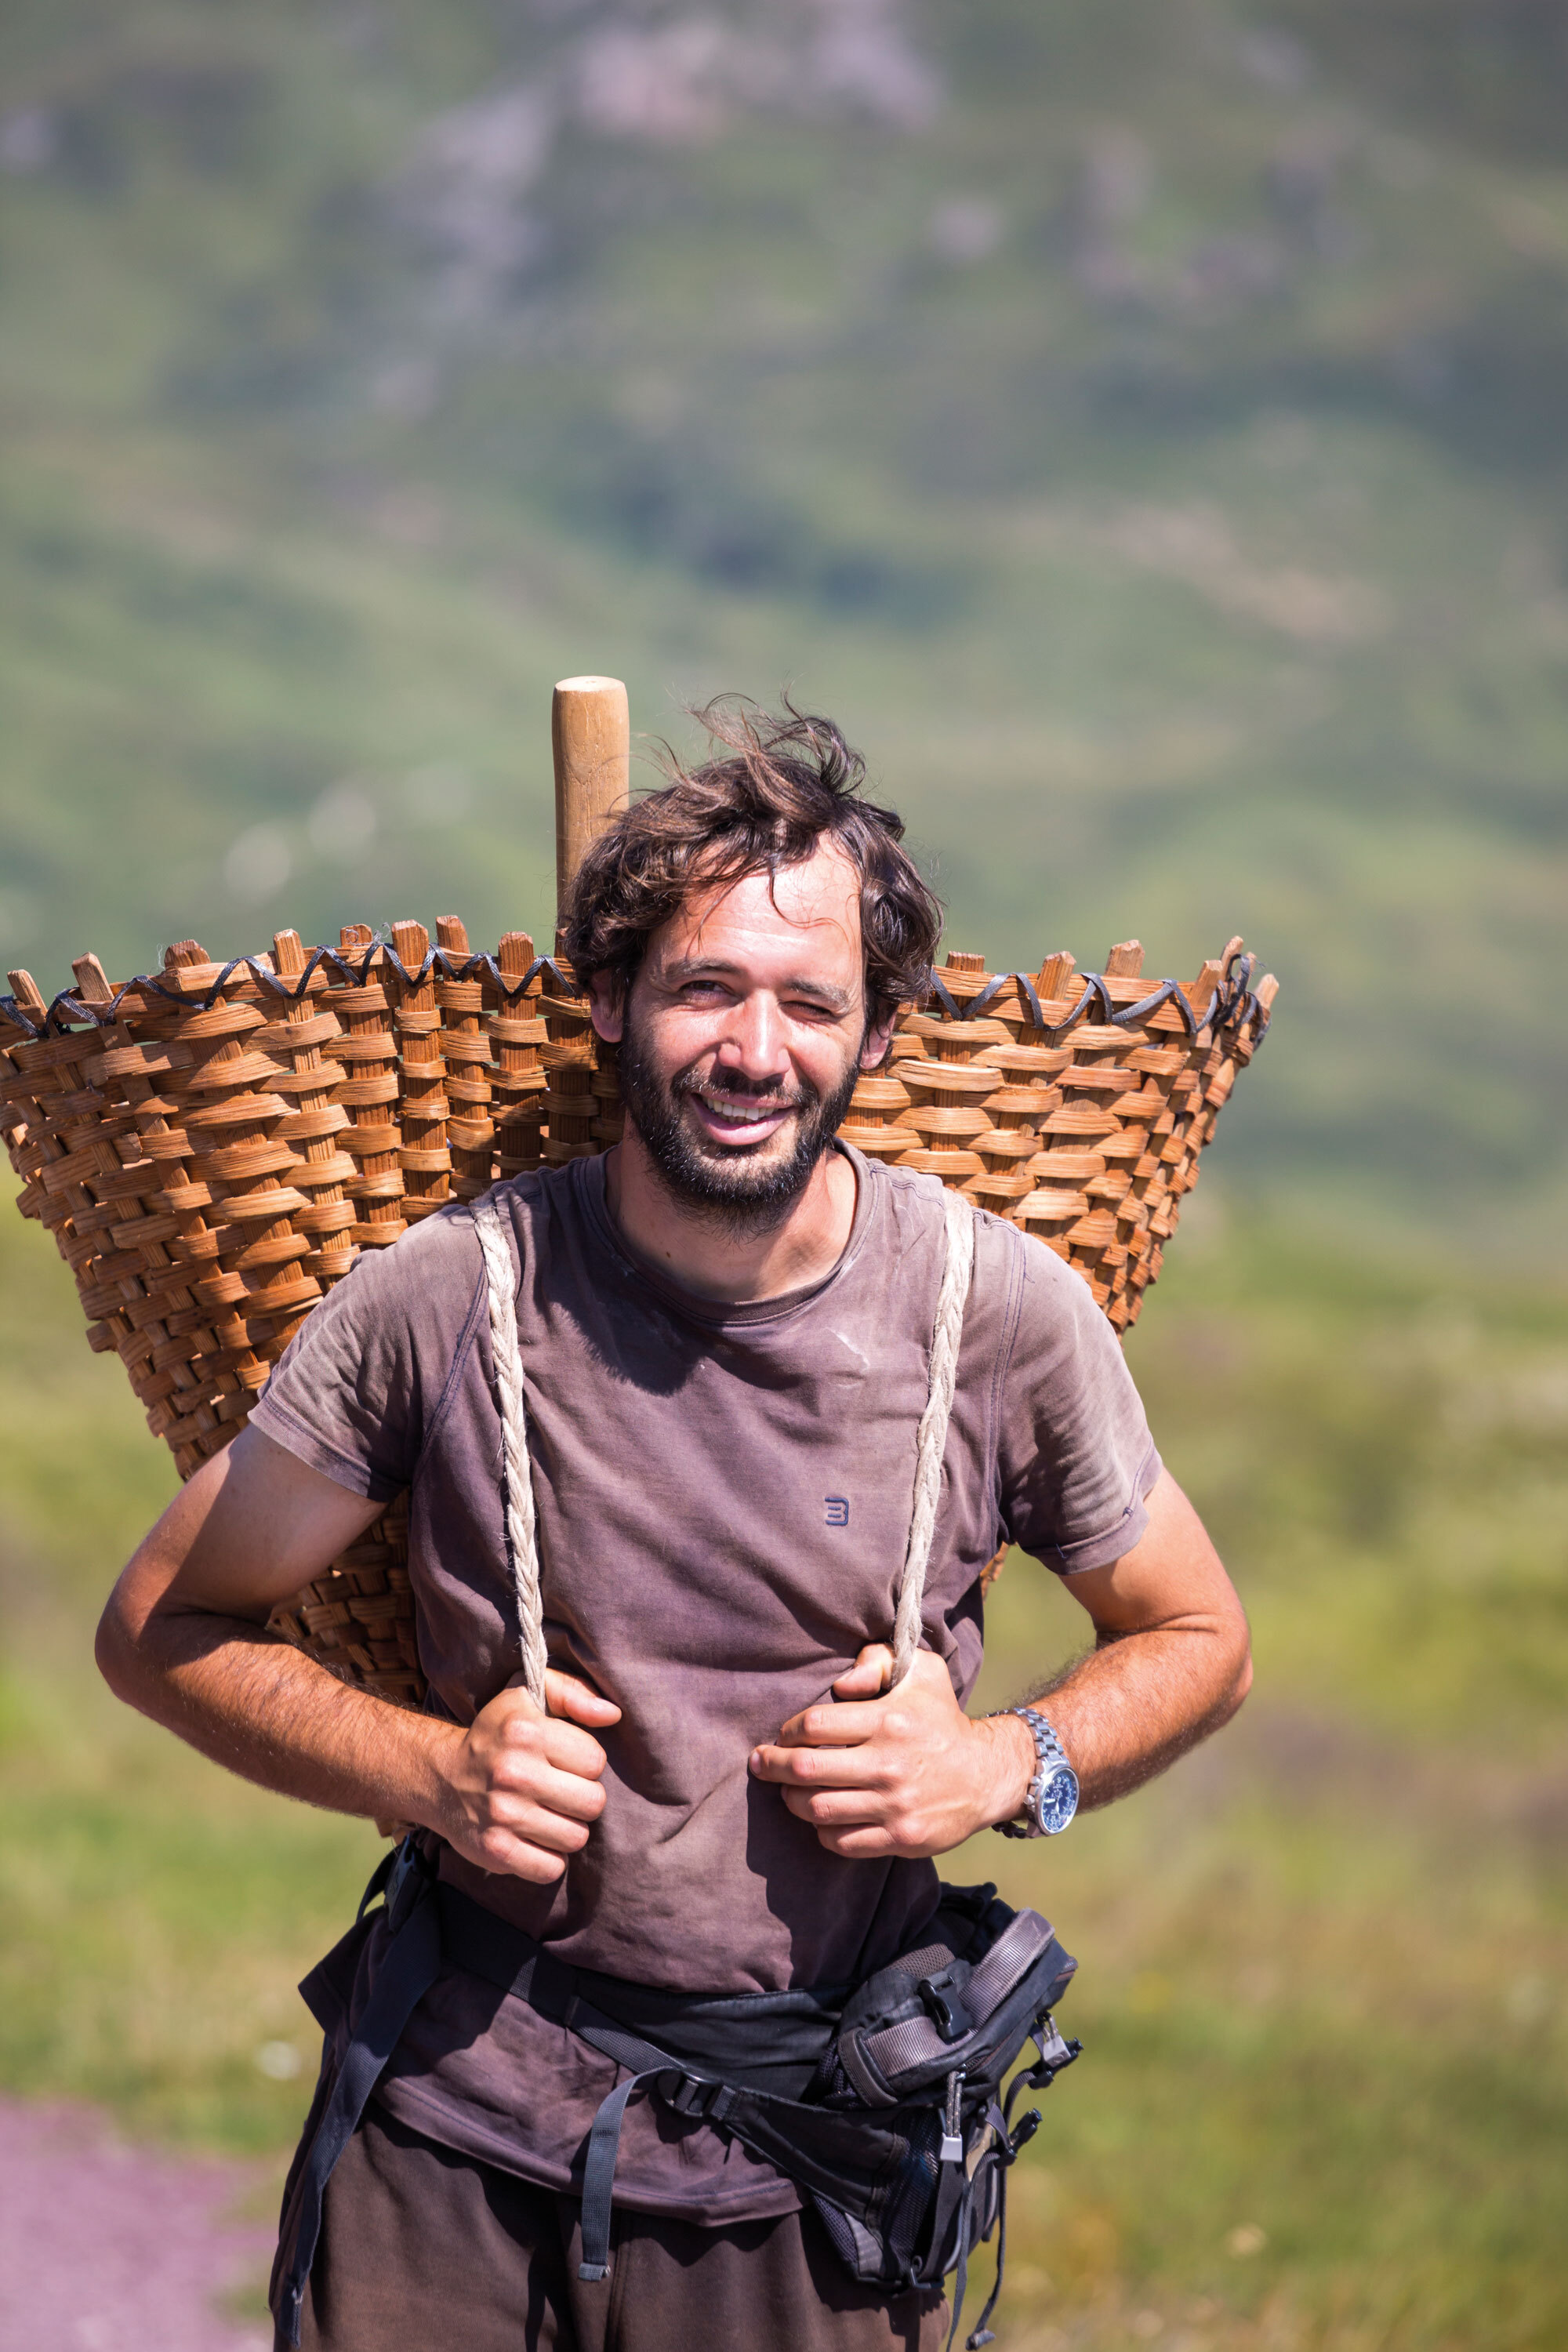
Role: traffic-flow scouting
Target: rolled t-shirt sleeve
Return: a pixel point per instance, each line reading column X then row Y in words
column 357, row 1389
column 1075, row 1455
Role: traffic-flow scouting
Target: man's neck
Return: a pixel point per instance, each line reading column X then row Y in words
column 704, row 1254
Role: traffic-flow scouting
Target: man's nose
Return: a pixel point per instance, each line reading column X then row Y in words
column 754, row 1040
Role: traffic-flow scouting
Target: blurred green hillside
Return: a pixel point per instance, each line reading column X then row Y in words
column 1140, row 423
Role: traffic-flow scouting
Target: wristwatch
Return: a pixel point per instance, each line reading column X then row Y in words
column 1052, row 1797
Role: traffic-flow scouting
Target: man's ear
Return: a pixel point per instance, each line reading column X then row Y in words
column 607, row 1004
column 877, row 1038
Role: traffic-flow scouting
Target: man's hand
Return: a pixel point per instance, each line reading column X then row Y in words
column 184, row 1639
column 911, row 1774
column 908, row 1773
column 522, row 1787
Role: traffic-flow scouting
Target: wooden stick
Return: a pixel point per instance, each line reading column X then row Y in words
column 590, row 731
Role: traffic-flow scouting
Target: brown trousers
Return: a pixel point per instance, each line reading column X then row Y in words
column 423, row 2251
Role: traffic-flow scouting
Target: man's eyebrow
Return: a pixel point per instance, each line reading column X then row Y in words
column 717, row 967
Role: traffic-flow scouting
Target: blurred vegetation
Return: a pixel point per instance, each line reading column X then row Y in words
column 1323, row 1961
column 1142, row 424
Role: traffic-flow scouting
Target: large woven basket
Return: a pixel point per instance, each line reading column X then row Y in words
column 213, row 1145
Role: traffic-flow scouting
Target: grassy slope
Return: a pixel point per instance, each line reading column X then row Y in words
column 1178, row 560
column 1322, row 1962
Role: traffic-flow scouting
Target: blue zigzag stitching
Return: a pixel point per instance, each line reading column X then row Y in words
column 69, row 1010
column 1234, row 1004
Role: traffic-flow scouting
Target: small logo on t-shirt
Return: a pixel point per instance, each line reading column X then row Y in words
column 837, row 1510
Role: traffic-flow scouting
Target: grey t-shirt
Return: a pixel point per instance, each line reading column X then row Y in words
column 723, row 1495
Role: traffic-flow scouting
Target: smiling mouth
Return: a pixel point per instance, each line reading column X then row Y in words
column 734, row 1116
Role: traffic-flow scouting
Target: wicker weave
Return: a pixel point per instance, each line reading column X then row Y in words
column 212, row 1146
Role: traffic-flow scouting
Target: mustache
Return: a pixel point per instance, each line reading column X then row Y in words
column 769, row 1091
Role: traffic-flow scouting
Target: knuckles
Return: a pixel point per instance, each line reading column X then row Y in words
column 521, row 1729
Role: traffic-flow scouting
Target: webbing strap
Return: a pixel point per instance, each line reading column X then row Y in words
column 952, row 2183
column 424, row 1919
column 409, row 1965
column 962, row 2281
column 408, row 1969
column 599, row 2175
column 981, row 2334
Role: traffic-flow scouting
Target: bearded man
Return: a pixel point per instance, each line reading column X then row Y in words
column 725, row 1332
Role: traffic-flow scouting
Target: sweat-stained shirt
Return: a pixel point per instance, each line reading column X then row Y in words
column 723, row 1495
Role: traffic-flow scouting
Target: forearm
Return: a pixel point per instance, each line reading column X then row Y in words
column 1138, row 1701
column 257, row 1706
column 184, row 1640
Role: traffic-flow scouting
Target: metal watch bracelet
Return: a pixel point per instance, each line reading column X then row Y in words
column 1051, row 1757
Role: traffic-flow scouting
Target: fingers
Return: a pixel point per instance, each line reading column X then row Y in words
column 852, row 1719
column 565, row 1695
column 517, row 1726
column 869, row 1677
column 861, row 1827
column 528, row 1784
column 523, row 1815
column 838, row 1809
column 500, row 1850
column 874, row 1772
column 523, row 1829
column 859, row 1845
column 818, row 1768
column 833, row 1789
column 847, row 1725
column 531, row 1779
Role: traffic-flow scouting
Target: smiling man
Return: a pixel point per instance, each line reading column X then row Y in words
column 725, row 1328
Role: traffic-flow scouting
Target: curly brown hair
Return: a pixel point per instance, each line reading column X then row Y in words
column 779, row 786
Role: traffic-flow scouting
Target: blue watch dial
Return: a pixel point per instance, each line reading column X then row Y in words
column 1051, row 1800
column 1057, row 1801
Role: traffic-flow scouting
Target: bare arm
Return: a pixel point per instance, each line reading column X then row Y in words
column 184, row 1640
column 912, row 1774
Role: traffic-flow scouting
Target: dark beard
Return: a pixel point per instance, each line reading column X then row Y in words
column 725, row 1183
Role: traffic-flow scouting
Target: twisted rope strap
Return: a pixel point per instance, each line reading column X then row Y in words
column 930, row 1444
column 517, row 1485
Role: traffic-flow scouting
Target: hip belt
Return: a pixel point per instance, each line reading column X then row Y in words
column 882, row 2100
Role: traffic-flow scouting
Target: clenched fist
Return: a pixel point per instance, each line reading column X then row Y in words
column 906, row 1773
column 519, row 1790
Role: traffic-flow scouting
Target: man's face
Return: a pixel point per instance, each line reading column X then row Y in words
column 743, row 1035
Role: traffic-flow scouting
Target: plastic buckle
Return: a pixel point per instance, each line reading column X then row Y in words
column 945, row 2005
column 697, row 2095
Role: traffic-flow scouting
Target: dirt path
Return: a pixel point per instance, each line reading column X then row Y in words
column 106, row 2248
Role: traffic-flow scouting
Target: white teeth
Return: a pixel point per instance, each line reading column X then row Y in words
column 734, row 1116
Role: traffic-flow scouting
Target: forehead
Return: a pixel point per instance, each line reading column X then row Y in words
column 805, row 918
